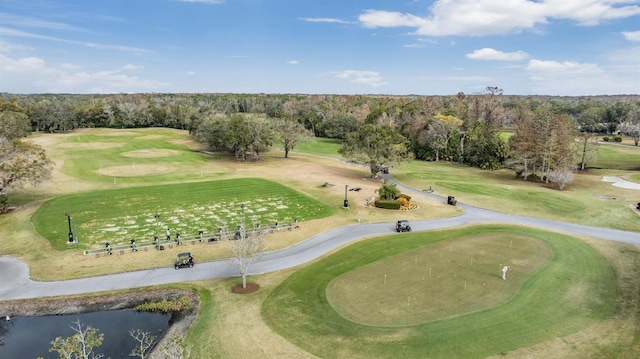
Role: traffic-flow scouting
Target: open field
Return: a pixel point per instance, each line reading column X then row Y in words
column 116, row 216
column 565, row 297
column 573, row 288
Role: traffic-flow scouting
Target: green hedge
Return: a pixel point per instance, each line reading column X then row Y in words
column 387, row 204
column 405, row 196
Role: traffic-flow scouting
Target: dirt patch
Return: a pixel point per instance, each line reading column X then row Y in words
column 251, row 287
column 609, row 198
column 151, row 153
column 135, row 170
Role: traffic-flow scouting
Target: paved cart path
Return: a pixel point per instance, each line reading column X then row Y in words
column 16, row 284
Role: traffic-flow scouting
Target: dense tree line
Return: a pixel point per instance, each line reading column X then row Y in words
column 465, row 128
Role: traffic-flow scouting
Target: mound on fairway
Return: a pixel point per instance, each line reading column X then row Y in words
column 151, row 153
column 135, row 170
column 141, row 213
column 573, row 289
column 439, row 281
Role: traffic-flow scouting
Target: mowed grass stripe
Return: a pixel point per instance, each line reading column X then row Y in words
column 182, row 207
column 573, row 290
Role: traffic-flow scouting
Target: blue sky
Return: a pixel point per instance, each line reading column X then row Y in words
column 441, row 47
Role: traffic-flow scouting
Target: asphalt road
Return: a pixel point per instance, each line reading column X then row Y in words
column 15, row 282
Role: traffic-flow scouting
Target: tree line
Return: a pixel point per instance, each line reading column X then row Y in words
column 550, row 136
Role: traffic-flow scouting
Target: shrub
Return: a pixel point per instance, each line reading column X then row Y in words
column 180, row 305
column 388, row 191
column 403, row 202
column 387, row 204
column 617, row 138
column 606, row 139
column 402, row 195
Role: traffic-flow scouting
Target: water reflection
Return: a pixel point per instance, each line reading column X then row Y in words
column 30, row 337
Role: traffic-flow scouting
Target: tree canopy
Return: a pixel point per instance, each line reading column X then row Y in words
column 377, row 147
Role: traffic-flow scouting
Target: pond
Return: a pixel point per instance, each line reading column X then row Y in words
column 30, row 337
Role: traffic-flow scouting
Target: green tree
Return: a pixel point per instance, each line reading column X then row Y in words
column 290, row 133
column 376, row 147
column 484, row 147
column 14, row 125
column 388, row 191
column 21, row 162
column 439, row 133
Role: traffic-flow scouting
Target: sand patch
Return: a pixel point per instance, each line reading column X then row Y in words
column 135, row 170
column 151, row 153
column 621, row 182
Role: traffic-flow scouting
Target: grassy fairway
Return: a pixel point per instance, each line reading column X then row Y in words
column 574, row 289
column 587, row 200
column 119, row 215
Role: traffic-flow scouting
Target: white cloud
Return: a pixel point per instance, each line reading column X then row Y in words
column 368, row 78
column 23, row 21
column 324, row 19
column 32, row 74
column 17, row 33
column 496, row 17
column 7, row 47
column 293, row 62
column 632, row 35
column 492, row 54
column 68, row 66
column 131, row 67
column 566, row 67
column 191, row 73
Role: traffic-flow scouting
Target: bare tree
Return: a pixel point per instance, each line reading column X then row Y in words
column 587, row 148
column 80, row 345
column 561, row 176
column 245, row 247
column 144, row 341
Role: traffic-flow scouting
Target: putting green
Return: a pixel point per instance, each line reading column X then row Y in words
column 443, row 280
column 573, row 289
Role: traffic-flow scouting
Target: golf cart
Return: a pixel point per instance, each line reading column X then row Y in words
column 185, row 260
column 403, row 226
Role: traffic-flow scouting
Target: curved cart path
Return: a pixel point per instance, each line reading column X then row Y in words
column 16, row 284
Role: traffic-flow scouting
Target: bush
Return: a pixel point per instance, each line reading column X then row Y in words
column 403, row 202
column 387, row 204
column 180, row 305
column 606, row 139
column 402, row 195
column 617, row 138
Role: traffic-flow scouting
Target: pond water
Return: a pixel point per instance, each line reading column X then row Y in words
column 30, row 337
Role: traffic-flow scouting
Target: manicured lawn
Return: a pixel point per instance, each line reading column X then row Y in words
column 575, row 288
column 587, row 200
column 116, row 216
column 617, row 157
column 320, row 146
column 134, row 157
column 442, row 280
